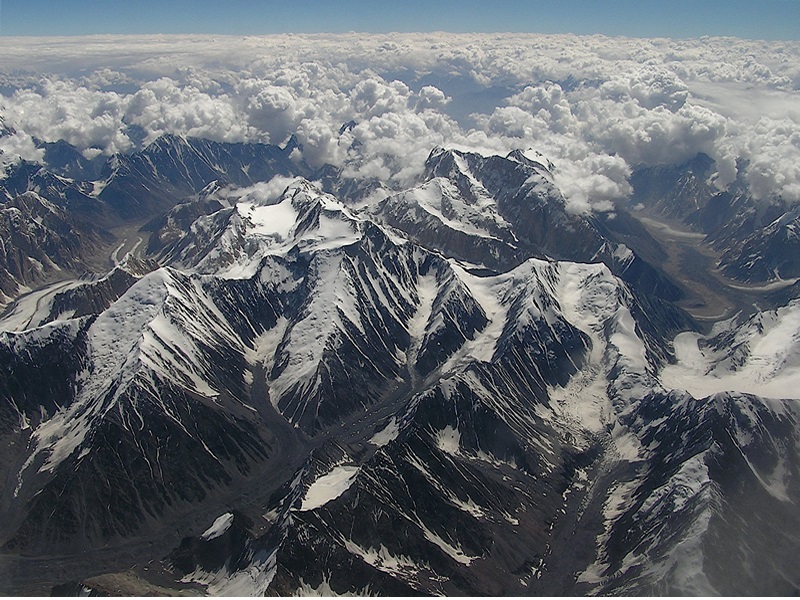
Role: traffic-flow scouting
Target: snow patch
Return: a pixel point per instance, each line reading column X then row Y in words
column 31, row 309
column 324, row 590
column 622, row 253
column 262, row 352
column 218, row 527
column 631, row 349
column 771, row 367
column 589, row 297
column 332, row 301
column 382, row 559
column 454, row 552
column 618, row 499
column 329, row 487
column 690, row 479
column 427, row 288
column 113, row 338
column 249, row 582
column 387, row 434
column 274, row 220
column 487, row 291
column 441, row 199
column 448, row 440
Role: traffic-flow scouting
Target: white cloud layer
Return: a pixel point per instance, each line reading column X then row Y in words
column 594, row 106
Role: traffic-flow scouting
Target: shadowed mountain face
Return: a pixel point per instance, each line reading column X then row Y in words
column 57, row 220
column 173, row 167
column 460, row 388
column 756, row 240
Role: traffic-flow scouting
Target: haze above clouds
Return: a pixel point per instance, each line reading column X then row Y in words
column 594, row 106
column 765, row 19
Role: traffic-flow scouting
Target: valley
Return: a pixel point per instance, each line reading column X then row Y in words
column 693, row 263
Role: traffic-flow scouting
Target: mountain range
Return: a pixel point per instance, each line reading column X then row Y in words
column 228, row 372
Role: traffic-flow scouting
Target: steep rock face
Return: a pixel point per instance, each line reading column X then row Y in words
column 206, row 360
column 74, row 298
column 93, row 297
column 441, row 508
column 172, row 168
column 73, row 195
column 686, row 194
column 756, row 239
column 160, row 356
column 470, row 478
column 350, row 191
column 30, row 399
column 709, row 464
column 678, row 192
column 496, row 212
column 767, row 254
column 166, row 352
column 39, row 240
column 64, row 159
column 710, row 469
column 53, row 228
column 170, row 227
column 60, row 217
column 508, row 205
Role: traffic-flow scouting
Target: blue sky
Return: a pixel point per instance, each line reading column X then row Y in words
column 755, row 19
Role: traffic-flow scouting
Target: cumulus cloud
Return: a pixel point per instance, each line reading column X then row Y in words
column 595, row 134
column 65, row 110
column 593, row 183
column 658, row 135
column 594, row 106
column 374, row 97
column 322, row 142
column 16, row 146
column 431, row 98
column 261, row 193
column 162, row 106
column 772, row 151
column 651, row 87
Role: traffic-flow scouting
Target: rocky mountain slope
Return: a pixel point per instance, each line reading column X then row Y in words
column 756, row 239
column 456, row 388
column 62, row 218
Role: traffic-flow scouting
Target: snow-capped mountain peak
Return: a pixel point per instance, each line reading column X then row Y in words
column 455, row 388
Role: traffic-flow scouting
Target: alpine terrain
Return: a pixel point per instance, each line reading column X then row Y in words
column 225, row 371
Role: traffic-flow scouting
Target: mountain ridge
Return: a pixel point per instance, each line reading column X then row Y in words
column 456, row 388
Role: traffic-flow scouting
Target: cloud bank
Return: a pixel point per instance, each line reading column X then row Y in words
column 375, row 105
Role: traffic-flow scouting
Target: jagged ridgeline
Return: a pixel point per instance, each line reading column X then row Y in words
column 226, row 372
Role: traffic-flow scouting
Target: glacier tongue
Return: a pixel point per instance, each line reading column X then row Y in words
column 588, row 296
